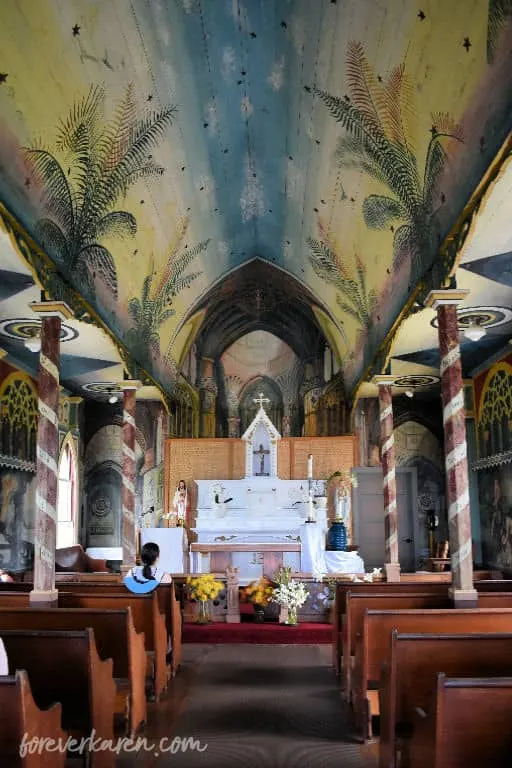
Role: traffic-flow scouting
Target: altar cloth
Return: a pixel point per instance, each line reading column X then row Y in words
column 314, row 559
column 173, row 543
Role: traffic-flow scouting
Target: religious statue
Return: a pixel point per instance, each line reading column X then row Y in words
column 180, row 503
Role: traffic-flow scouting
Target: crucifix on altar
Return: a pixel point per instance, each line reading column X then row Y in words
column 262, row 452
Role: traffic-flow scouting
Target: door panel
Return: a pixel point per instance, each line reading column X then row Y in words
column 368, row 522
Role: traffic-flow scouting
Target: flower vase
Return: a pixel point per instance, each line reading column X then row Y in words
column 204, row 614
column 292, row 616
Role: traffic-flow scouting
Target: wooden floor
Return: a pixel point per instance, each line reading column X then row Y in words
column 260, row 706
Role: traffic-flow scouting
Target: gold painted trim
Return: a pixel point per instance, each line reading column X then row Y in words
column 383, row 380
column 52, row 309
column 3, row 353
column 446, row 297
column 130, row 384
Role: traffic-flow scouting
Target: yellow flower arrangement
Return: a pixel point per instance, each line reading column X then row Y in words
column 259, row 592
column 204, row 587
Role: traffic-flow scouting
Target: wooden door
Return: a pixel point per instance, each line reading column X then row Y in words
column 368, row 523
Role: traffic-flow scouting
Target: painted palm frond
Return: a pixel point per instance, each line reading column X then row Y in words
column 378, row 120
column 159, row 289
column 353, row 298
column 103, row 159
column 500, row 12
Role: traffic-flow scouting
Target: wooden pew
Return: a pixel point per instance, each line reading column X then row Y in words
column 373, row 647
column 115, row 638
column 14, row 599
column 147, row 619
column 166, row 593
column 468, row 724
column 65, row 667
column 357, row 603
column 21, row 717
column 402, row 587
column 409, row 675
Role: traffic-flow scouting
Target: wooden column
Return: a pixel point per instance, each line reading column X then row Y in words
column 392, row 564
column 128, row 533
column 207, row 398
column 455, row 445
column 47, row 451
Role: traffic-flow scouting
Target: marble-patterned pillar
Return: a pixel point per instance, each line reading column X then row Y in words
column 47, row 451
column 207, row 398
column 392, row 564
column 128, row 528
column 455, row 445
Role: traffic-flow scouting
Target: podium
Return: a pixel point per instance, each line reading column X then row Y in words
column 173, row 543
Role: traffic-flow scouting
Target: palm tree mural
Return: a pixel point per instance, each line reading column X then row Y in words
column 353, row 298
column 499, row 14
column 377, row 117
column 95, row 163
column 154, row 306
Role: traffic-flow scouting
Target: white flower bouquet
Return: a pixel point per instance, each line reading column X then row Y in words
column 291, row 596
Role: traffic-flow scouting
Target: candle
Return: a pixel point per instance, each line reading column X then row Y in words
column 311, row 509
column 310, row 466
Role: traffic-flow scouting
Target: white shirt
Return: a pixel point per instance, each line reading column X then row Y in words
column 157, row 573
column 4, row 665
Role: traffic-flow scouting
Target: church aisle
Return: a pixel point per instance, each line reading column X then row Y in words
column 260, row 706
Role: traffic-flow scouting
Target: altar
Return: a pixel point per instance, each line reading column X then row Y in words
column 258, row 514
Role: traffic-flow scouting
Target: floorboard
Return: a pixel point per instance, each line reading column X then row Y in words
column 260, row 706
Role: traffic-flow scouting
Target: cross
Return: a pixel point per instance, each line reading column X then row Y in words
column 261, row 453
column 260, row 400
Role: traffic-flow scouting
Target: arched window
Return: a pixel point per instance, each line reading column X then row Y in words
column 66, row 500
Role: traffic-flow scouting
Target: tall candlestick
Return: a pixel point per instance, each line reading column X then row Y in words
column 310, row 466
column 311, row 510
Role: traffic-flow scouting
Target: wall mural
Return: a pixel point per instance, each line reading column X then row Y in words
column 338, row 141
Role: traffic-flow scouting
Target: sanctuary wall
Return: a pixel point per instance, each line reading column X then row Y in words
column 193, row 459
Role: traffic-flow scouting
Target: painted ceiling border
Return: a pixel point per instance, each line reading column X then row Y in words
column 442, row 272
column 47, row 277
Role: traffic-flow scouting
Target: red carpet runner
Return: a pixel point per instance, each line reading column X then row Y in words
column 251, row 632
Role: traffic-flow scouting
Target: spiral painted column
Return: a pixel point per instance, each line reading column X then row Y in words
column 392, row 563
column 128, row 531
column 47, row 451
column 455, row 445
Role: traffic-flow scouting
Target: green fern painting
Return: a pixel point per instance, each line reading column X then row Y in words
column 354, row 298
column 155, row 304
column 377, row 118
column 94, row 164
column 499, row 15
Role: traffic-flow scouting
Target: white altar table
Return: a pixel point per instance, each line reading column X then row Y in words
column 173, row 543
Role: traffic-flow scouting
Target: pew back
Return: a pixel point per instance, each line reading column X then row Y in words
column 375, row 643
column 357, row 603
column 469, row 724
column 21, row 716
column 409, row 675
column 115, row 638
column 147, row 619
column 65, row 667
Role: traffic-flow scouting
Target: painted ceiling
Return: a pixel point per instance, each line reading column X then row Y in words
column 154, row 148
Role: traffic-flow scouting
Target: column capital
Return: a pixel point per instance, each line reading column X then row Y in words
column 383, row 380
column 453, row 296
column 51, row 309
column 128, row 384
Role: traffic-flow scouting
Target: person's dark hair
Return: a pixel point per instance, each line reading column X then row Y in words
column 149, row 555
